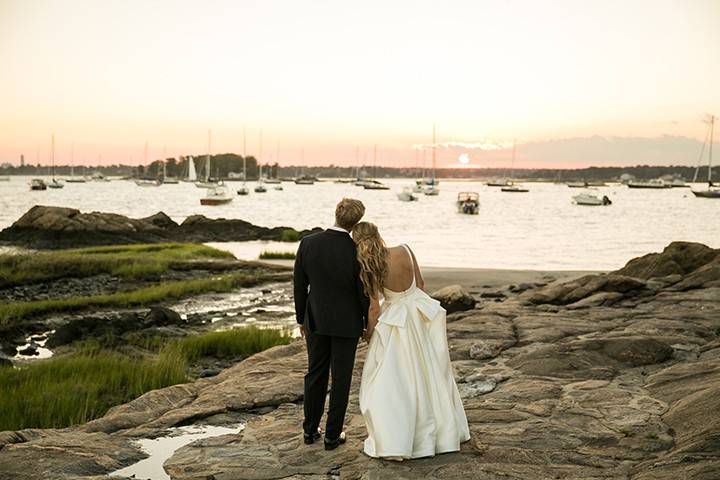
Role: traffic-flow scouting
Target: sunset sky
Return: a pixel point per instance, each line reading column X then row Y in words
column 574, row 82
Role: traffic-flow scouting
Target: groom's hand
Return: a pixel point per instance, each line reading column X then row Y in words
column 302, row 331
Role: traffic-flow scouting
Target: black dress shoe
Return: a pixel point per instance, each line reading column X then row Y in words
column 333, row 444
column 311, row 438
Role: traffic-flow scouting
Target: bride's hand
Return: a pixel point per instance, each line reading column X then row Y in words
column 367, row 334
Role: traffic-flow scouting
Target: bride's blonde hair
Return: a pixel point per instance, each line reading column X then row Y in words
column 372, row 256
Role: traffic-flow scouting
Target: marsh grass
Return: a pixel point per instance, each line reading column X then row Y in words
column 79, row 387
column 131, row 261
column 74, row 389
column 226, row 344
column 268, row 255
column 16, row 311
column 289, row 235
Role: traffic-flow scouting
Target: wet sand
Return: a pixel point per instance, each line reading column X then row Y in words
column 479, row 278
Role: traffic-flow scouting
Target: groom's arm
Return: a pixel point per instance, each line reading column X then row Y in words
column 300, row 287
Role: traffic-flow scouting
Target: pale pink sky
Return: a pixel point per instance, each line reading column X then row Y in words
column 327, row 76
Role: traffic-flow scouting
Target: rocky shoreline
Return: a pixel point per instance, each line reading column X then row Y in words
column 603, row 377
column 44, row 227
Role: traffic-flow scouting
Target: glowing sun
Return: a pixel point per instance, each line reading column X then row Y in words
column 464, row 159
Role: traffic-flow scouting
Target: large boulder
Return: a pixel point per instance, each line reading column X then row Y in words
column 584, row 287
column 454, row 298
column 677, row 258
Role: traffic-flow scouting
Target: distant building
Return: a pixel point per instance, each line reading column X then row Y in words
column 22, row 160
column 5, row 166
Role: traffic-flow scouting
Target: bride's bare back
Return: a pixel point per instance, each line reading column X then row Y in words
column 399, row 274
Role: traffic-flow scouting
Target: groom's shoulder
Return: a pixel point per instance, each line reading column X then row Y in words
column 312, row 238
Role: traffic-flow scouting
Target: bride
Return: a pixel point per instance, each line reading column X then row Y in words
column 408, row 395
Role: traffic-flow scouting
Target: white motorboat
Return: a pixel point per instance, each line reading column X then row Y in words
column 99, row 177
column 374, row 185
column 468, row 203
column 499, row 183
column 38, row 184
column 148, row 182
column 260, row 187
column 407, row 195
column 654, row 184
column 590, row 200
column 243, row 190
column 577, row 184
column 305, row 180
column 514, row 189
column 272, row 181
column 431, row 190
column 278, row 187
column 218, row 195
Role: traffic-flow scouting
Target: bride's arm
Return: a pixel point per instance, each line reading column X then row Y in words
column 373, row 315
column 419, row 280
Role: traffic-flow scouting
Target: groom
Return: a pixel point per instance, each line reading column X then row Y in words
column 331, row 308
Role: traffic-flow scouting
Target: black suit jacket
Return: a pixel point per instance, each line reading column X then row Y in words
column 327, row 286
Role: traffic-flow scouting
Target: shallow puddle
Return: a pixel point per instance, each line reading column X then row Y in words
column 162, row 448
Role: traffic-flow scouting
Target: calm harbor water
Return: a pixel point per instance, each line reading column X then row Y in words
column 539, row 230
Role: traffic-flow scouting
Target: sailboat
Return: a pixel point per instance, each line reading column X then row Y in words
column 54, row 183
column 165, row 178
column 431, row 186
column 512, row 188
column 147, row 182
column 191, row 174
column 207, row 183
column 244, row 190
column 373, row 184
column 260, row 187
column 73, row 178
column 713, row 191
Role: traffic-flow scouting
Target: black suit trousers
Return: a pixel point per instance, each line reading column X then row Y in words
column 328, row 354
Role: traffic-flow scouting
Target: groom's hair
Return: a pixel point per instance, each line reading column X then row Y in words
column 348, row 213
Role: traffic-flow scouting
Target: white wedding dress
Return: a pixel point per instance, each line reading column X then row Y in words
column 408, row 394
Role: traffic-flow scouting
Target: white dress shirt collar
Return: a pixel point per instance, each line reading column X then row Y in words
column 338, row 229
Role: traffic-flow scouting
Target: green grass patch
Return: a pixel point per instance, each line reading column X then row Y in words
column 132, row 261
column 290, row 235
column 226, row 344
column 76, row 388
column 16, row 311
column 266, row 255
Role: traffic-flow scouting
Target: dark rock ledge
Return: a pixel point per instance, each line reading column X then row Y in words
column 44, row 227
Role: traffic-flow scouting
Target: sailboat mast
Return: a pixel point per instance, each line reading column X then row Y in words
column 260, row 153
column 207, row 158
column 433, row 155
column 712, row 133
column 702, row 153
column 375, row 161
column 52, row 155
column 512, row 172
column 244, row 155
